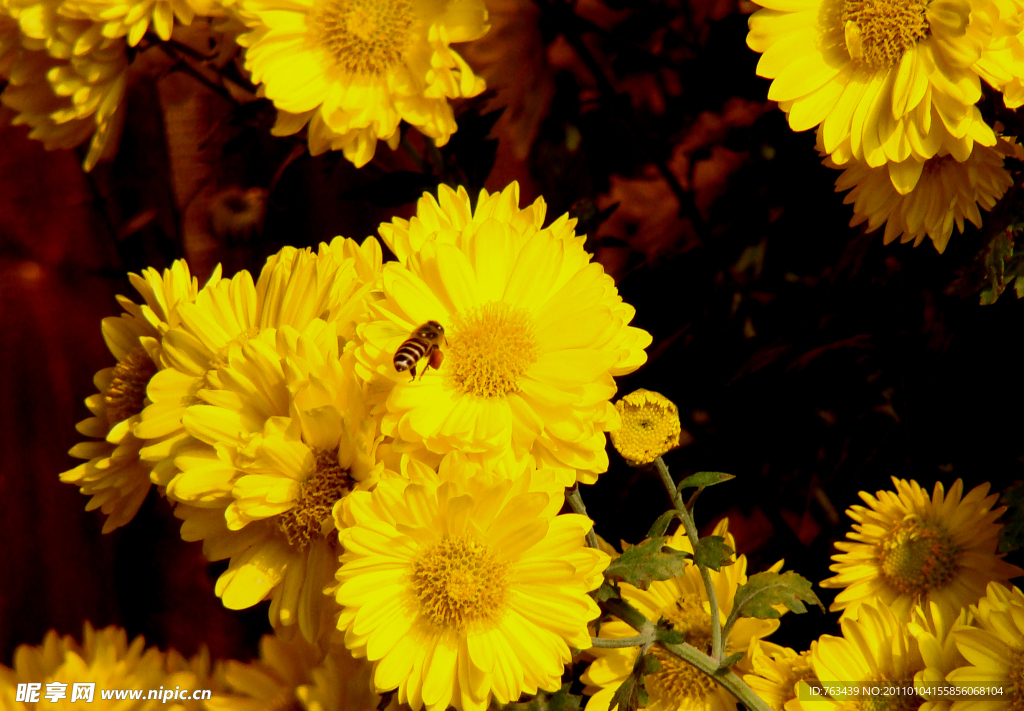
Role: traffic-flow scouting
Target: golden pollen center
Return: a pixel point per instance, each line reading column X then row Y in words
column 678, row 682
column 917, row 557
column 303, row 522
column 650, row 426
column 489, row 348
column 459, row 583
column 126, row 395
column 879, row 32
column 365, row 37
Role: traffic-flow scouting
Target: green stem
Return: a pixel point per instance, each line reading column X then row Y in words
column 723, row 675
column 717, row 651
column 572, row 495
column 638, row 640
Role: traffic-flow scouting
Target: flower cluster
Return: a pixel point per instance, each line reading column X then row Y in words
column 892, row 89
column 278, row 415
column 926, row 605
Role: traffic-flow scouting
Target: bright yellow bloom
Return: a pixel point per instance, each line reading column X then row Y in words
column 354, row 69
column 294, row 288
column 895, row 79
column 1002, row 62
column 534, row 333
column 67, row 82
column 907, row 549
column 683, row 603
column 993, row 646
column 776, row 673
column 271, row 682
column 104, row 658
column 650, row 426
column 282, row 439
column 114, row 475
column 466, row 590
column 876, row 649
column 915, row 199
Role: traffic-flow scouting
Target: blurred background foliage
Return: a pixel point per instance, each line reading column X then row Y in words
column 806, row 357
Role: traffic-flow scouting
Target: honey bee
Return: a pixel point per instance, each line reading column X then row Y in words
column 425, row 342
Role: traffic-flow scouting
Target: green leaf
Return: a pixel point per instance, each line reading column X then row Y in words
column 711, row 552
column 730, row 660
column 606, row 592
column 1011, row 536
column 661, row 525
column 631, row 693
column 665, row 634
column 650, row 560
column 764, row 591
column 702, row 479
column 560, row 700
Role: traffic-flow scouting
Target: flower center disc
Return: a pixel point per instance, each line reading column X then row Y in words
column 126, row 395
column 489, row 348
column 1016, row 677
column 459, row 582
column 365, row 37
column 650, row 426
column 889, row 701
column 303, row 523
column 879, row 32
column 678, row 684
column 917, row 557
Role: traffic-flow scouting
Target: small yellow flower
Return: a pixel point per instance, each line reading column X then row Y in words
column 932, row 629
column 994, row 648
column 907, row 548
column 650, row 426
column 114, row 474
column 272, row 681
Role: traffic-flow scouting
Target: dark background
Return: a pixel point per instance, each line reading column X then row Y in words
column 807, row 358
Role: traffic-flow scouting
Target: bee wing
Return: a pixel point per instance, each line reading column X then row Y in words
column 384, row 334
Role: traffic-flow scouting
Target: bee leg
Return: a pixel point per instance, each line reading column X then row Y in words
column 413, row 371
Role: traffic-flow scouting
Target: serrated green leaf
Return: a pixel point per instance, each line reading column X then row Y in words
column 650, row 560
column 661, row 525
column 731, row 659
column 631, row 693
column 560, row 700
column 702, row 479
column 764, row 591
column 711, row 552
column 1011, row 535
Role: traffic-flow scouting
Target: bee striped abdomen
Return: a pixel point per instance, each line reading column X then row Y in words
column 409, row 354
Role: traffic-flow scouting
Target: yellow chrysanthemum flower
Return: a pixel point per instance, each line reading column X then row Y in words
column 104, row 658
column 114, row 475
column 67, row 82
column 354, row 69
column 683, row 603
column 282, row 439
column 271, row 682
column 777, row 671
column 880, row 74
column 650, row 426
column 534, row 333
column 294, row 288
column 993, row 645
column 918, row 199
column 876, row 649
column 466, row 590
column 907, row 549
column 932, row 629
